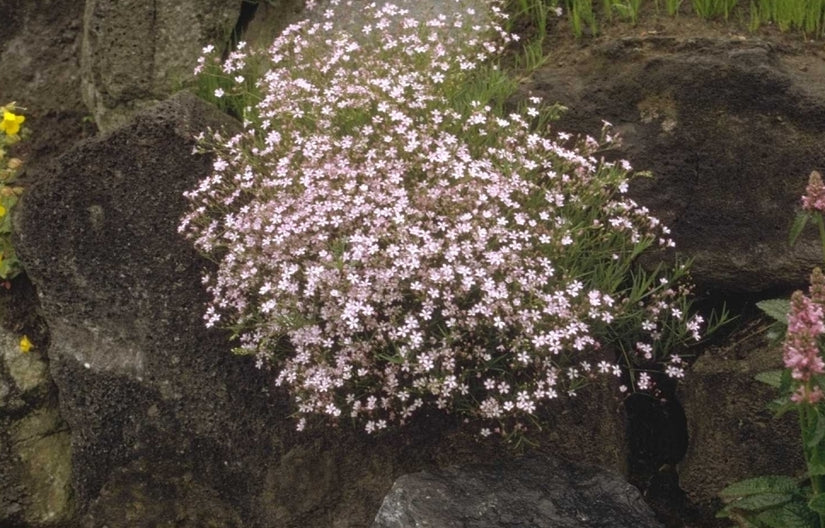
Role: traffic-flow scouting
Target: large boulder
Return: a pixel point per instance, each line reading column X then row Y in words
column 136, row 53
column 730, row 127
column 534, row 492
column 139, row 376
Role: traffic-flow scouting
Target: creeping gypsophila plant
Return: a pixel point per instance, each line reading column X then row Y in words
column 383, row 248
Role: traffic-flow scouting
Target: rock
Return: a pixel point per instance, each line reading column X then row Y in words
column 39, row 49
column 269, row 19
column 732, row 433
column 730, row 129
column 150, row 497
column 150, row 395
column 39, row 58
column 43, row 446
column 28, row 371
column 140, row 377
column 531, row 492
column 605, row 428
column 136, row 53
column 35, row 457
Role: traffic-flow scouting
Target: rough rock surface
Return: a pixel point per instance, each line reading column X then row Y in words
column 35, row 458
column 119, row 285
column 39, row 58
column 732, row 433
column 731, row 128
column 136, row 53
column 525, row 493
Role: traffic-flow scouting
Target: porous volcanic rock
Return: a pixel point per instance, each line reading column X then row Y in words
column 534, row 492
column 733, row 434
column 40, row 61
column 136, row 53
column 141, row 380
column 730, row 127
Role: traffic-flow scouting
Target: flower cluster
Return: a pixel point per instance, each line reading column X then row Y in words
column 814, row 198
column 801, row 347
column 385, row 247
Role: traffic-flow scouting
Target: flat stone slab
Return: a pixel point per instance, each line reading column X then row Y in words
column 535, row 492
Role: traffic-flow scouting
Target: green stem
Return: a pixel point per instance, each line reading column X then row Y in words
column 807, row 417
column 821, row 224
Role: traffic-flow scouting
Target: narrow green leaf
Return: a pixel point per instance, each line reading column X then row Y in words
column 757, row 485
column 781, row 405
column 798, row 225
column 771, row 377
column 776, row 308
column 819, row 430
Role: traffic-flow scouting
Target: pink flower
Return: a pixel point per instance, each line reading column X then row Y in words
column 805, row 395
column 814, row 199
column 801, row 351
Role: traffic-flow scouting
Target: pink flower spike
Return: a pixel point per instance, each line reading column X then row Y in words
column 803, row 395
column 801, row 350
column 814, row 199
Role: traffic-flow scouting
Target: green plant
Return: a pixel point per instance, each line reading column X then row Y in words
column 390, row 236
column 780, row 501
column 806, row 16
column 673, row 6
column 713, row 8
column 11, row 132
column 581, row 15
column 629, row 9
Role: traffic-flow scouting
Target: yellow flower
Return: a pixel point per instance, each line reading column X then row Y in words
column 2, row 211
column 25, row 344
column 11, row 123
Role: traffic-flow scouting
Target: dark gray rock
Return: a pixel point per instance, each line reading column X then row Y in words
column 119, row 286
column 40, row 61
column 535, row 492
column 731, row 128
column 136, row 53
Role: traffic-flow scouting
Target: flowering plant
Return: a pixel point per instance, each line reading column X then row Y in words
column 386, row 242
column 10, row 133
column 775, row 501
